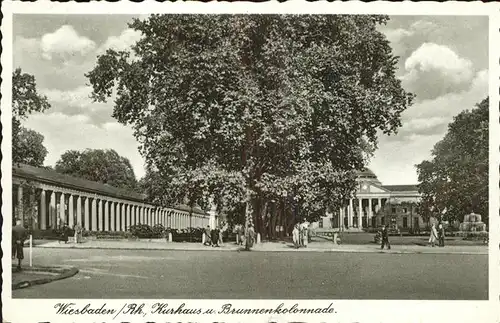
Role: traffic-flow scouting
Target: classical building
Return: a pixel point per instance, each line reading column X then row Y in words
column 44, row 199
column 374, row 205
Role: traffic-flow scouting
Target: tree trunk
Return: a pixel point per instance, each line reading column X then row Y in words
column 248, row 218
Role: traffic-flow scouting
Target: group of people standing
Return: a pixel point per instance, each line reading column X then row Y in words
column 214, row 237
column 437, row 235
column 300, row 234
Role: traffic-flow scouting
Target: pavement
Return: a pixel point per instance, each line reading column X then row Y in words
column 181, row 274
column 267, row 247
column 37, row 275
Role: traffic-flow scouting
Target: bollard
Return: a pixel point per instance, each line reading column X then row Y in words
column 258, row 238
column 335, row 235
column 170, row 237
column 237, row 239
column 31, row 250
column 203, row 238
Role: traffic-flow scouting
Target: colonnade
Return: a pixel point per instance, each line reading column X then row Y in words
column 359, row 212
column 55, row 206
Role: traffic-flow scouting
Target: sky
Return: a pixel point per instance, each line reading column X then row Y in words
column 443, row 61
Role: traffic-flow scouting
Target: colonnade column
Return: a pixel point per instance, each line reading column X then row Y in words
column 87, row 213
column 79, row 210
column 106, row 215
column 71, row 219
column 115, row 222
column 20, row 204
column 123, row 216
column 43, row 211
column 94, row 214
column 61, row 208
column 53, row 210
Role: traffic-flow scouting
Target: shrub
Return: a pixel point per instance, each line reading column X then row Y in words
column 143, row 231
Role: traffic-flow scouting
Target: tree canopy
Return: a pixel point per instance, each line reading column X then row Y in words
column 455, row 180
column 255, row 110
column 27, row 145
column 104, row 166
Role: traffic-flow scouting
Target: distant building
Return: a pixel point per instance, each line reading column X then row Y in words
column 375, row 205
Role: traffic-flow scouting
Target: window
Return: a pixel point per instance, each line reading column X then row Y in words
column 405, row 210
column 382, row 219
column 393, row 210
column 405, row 222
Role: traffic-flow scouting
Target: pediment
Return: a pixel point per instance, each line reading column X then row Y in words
column 367, row 187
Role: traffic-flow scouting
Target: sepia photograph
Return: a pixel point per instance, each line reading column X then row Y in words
column 256, row 156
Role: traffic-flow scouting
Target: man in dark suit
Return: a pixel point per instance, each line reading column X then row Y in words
column 385, row 238
column 18, row 237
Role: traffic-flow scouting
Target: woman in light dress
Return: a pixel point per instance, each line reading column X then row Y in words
column 305, row 233
column 434, row 235
column 296, row 235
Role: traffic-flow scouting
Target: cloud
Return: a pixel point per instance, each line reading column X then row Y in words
column 122, row 42
column 77, row 101
column 63, row 133
column 65, row 43
column 433, row 70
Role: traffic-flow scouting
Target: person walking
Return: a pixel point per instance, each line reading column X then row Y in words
column 296, row 236
column 208, row 238
column 434, row 235
column 19, row 236
column 385, row 238
column 305, row 233
column 441, row 234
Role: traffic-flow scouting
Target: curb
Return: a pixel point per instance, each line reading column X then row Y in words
column 64, row 273
column 280, row 250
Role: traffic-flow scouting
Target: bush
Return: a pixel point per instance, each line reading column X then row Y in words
column 188, row 234
column 142, row 231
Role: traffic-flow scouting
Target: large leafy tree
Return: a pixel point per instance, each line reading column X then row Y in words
column 455, row 181
column 27, row 145
column 104, row 166
column 249, row 109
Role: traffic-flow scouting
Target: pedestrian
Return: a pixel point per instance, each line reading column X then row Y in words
column 222, row 229
column 385, row 238
column 305, row 233
column 215, row 237
column 249, row 237
column 441, row 234
column 78, row 232
column 296, row 235
column 241, row 234
column 208, row 238
column 19, row 236
column 433, row 237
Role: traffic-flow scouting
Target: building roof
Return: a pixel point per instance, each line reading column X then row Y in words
column 401, row 188
column 366, row 172
column 49, row 176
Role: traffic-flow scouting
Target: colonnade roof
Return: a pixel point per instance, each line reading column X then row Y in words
column 51, row 177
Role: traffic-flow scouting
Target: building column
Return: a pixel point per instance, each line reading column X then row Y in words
column 106, row 215
column 71, row 219
column 94, row 214
column 127, row 214
column 360, row 215
column 350, row 212
column 370, row 214
column 100, row 215
column 86, row 209
column 123, row 214
column 79, row 210
column 62, row 209
column 112, row 216
column 379, row 200
column 43, row 211
column 20, row 204
column 52, row 210
column 118, row 216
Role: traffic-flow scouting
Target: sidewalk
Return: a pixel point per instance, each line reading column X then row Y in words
column 266, row 246
column 37, row 275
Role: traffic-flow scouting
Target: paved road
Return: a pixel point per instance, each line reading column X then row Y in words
column 298, row 275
